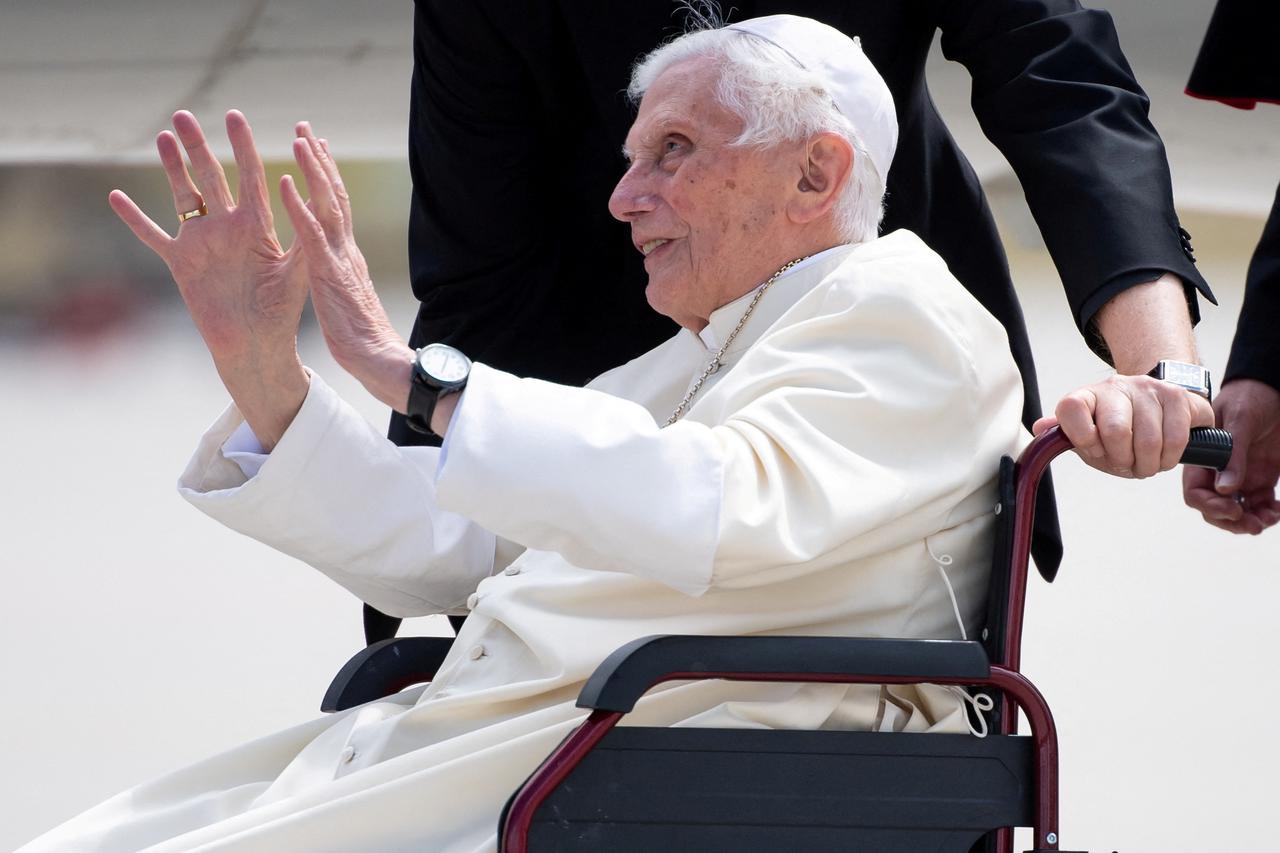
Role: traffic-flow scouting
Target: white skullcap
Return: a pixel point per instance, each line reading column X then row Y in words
column 853, row 83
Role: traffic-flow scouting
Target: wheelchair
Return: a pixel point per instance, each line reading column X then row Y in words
column 627, row 789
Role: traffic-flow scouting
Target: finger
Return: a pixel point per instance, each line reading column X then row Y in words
column 309, row 231
column 1241, row 428
column 1074, row 414
column 152, row 235
column 1199, row 494
column 320, row 148
column 185, row 195
column 323, row 200
column 1044, row 424
column 209, row 176
column 1201, row 412
column 1113, row 416
column 1148, row 432
column 1268, row 514
column 1245, row 525
column 252, row 188
column 1197, row 486
column 1177, row 417
column 1220, row 507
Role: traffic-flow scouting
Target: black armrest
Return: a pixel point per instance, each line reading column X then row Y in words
column 383, row 668
column 630, row 671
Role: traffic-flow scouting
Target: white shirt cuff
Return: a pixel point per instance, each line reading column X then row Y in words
column 243, row 448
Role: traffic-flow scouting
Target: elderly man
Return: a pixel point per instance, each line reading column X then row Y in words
column 813, row 453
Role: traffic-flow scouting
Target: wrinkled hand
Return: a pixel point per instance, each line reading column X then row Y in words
column 355, row 325
column 243, row 290
column 1129, row 426
column 1250, row 410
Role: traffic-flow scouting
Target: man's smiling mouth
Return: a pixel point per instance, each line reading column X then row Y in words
column 648, row 247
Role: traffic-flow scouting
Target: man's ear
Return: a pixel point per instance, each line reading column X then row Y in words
column 827, row 166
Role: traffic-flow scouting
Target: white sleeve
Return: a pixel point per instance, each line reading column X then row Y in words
column 585, row 474
column 854, row 430
column 339, row 496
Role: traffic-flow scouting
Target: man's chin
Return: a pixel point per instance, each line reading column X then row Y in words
column 663, row 298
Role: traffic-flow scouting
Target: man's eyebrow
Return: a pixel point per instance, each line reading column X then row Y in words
column 625, row 151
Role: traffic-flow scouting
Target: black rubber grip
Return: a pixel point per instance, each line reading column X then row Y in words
column 1209, row 447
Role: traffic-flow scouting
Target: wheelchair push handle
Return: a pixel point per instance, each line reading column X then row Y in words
column 1209, row 447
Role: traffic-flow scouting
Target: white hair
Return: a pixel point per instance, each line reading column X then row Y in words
column 778, row 101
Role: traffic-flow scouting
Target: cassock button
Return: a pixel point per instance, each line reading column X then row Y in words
column 348, row 755
column 477, row 652
column 511, row 571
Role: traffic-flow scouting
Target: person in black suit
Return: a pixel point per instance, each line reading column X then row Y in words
column 516, row 261
column 1237, row 66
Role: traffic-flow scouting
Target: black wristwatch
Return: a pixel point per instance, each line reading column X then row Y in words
column 438, row 370
column 1193, row 377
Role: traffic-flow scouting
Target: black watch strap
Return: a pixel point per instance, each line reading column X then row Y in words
column 422, row 405
column 427, row 389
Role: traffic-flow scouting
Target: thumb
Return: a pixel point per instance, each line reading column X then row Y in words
column 1231, row 478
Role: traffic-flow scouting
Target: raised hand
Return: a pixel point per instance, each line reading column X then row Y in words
column 243, row 290
column 355, row 325
column 1242, row 498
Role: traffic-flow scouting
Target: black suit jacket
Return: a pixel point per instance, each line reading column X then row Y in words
column 519, row 111
column 1237, row 65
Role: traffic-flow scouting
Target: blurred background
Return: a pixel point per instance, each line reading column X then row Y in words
column 137, row 636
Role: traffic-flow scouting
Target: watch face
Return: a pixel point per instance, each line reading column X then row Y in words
column 1184, row 374
column 444, row 364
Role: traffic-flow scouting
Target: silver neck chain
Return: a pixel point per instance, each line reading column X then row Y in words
column 718, row 359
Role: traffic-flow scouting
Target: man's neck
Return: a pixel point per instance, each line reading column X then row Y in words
column 697, row 324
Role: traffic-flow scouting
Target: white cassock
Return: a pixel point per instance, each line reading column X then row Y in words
column 834, row 477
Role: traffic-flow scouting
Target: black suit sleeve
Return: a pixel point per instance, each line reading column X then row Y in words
column 1053, row 91
column 476, row 146
column 1255, row 352
column 477, row 155
column 473, row 137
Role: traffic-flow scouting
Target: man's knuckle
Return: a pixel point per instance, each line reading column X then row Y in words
column 1148, row 442
column 1113, row 428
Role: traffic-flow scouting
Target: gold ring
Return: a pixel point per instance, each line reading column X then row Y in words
column 202, row 210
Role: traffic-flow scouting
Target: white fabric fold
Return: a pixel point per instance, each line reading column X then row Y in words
column 587, row 475
column 312, row 498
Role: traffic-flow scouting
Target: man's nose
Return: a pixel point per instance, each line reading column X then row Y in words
column 632, row 196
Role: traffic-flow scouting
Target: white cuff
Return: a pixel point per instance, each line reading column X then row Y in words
column 244, row 449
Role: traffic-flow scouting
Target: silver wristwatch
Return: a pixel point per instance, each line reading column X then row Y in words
column 1194, row 377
